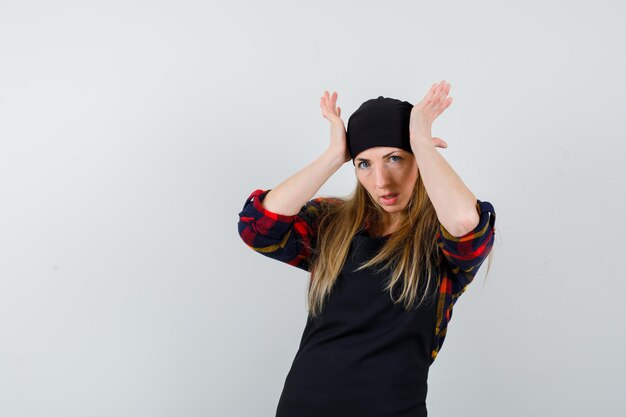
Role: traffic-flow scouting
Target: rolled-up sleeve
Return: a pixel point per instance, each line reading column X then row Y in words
column 465, row 254
column 288, row 239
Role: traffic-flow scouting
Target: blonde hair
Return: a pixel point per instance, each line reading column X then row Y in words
column 410, row 252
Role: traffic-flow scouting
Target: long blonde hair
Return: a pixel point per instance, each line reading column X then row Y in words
column 409, row 252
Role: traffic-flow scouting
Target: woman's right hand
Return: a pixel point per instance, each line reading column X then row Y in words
column 332, row 112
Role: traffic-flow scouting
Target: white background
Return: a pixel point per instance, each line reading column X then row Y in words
column 131, row 133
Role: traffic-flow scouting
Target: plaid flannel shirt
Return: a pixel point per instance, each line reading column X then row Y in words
column 285, row 238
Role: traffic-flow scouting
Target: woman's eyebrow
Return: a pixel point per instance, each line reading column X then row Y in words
column 384, row 156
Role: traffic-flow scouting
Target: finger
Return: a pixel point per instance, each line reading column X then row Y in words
column 445, row 90
column 437, row 89
column 441, row 98
column 425, row 101
column 437, row 113
column 433, row 97
column 445, row 104
column 444, row 86
column 431, row 92
column 440, row 142
column 441, row 90
column 323, row 104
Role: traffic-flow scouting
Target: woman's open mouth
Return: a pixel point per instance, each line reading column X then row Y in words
column 389, row 198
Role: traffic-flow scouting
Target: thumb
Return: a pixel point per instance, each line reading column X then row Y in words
column 440, row 142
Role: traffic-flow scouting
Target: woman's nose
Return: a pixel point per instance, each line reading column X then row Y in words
column 382, row 177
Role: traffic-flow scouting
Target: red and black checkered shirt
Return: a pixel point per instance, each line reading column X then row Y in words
column 283, row 238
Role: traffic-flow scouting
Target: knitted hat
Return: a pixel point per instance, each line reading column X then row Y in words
column 381, row 121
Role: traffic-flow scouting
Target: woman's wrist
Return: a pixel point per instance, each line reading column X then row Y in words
column 418, row 141
column 334, row 158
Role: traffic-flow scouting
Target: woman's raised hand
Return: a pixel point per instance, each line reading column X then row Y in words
column 332, row 112
column 427, row 110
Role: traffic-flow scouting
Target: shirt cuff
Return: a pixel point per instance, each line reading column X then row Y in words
column 265, row 222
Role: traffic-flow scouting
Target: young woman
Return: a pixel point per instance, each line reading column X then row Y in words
column 387, row 264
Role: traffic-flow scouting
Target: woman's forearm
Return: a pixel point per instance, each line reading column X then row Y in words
column 289, row 196
column 454, row 203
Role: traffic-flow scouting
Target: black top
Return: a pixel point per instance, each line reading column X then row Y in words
column 364, row 356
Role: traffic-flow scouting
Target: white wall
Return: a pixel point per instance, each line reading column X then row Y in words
column 131, row 133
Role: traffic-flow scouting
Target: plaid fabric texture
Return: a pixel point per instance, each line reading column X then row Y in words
column 285, row 238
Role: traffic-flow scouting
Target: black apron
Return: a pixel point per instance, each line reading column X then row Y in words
column 364, row 356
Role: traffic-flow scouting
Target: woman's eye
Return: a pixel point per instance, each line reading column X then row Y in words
column 360, row 165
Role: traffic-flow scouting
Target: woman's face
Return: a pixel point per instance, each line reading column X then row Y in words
column 383, row 170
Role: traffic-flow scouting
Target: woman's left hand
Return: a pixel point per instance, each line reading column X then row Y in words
column 426, row 111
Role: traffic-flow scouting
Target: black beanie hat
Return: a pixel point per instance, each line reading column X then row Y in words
column 381, row 121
